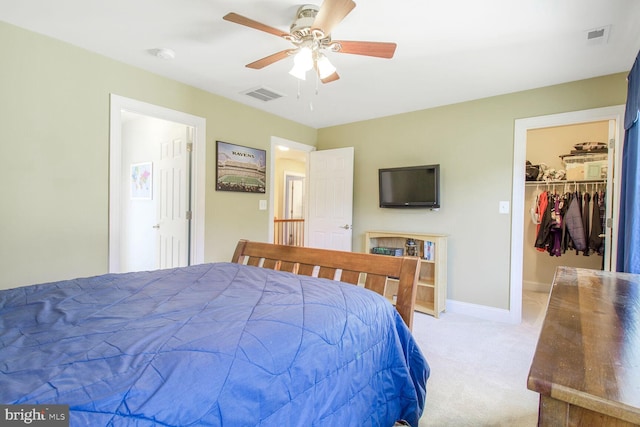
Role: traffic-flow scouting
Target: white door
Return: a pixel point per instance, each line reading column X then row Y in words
column 173, row 204
column 331, row 199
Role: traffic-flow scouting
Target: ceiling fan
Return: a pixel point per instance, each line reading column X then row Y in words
column 310, row 33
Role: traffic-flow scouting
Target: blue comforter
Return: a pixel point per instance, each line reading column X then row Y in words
column 214, row 344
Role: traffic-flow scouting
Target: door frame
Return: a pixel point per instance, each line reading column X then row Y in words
column 198, row 169
column 521, row 127
column 275, row 142
column 289, row 175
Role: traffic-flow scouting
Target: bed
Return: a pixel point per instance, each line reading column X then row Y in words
column 269, row 339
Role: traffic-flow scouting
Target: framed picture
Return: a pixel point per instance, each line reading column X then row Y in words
column 240, row 168
column 141, row 179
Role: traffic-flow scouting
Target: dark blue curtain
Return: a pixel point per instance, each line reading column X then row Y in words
column 629, row 224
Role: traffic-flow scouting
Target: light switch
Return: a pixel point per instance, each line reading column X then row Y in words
column 504, row 207
column 263, row 205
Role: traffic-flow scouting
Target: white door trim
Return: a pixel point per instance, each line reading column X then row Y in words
column 517, row 198
column 119, row 103
column 275, row 141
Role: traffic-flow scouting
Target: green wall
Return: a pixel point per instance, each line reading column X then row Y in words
column 473, row 143
column 54, row 146
column 54, row 156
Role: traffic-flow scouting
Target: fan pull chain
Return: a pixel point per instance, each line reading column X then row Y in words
column 317, row 90
column 298, row 98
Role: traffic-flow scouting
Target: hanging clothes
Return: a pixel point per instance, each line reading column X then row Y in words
column 544, row 217
column 575, row 226
column 550, row 233
column 586, row 198
column 596, row 242
column 556, row 227
column 570, row 221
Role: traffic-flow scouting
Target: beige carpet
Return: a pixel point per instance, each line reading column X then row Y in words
column 479, row 368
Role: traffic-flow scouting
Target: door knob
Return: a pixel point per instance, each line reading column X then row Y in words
column 156, row 226
column 346, row 227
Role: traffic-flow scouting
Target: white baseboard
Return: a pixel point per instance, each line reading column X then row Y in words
column 492, row 313
column 480, row 311
column 529, row 285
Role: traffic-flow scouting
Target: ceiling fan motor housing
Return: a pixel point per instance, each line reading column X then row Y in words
column 307, row 11
column 301, row 27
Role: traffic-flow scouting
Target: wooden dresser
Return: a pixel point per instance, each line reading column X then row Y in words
column 587, row 362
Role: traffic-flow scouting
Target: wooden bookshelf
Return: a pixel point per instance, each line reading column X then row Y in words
column 432, row 250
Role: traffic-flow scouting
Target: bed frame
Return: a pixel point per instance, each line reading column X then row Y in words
column 339, row 265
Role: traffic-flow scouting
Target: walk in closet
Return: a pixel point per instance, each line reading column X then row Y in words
column 565, row 208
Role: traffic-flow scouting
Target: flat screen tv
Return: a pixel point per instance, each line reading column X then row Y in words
column 410, row 187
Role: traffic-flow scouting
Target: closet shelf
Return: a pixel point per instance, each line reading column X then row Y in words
column 565, row 182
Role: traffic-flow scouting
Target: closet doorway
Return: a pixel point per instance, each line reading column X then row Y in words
column 523, row 129
column 553, row 152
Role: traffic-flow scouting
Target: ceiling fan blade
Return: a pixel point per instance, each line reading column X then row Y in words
column 268, row 60
column 331, row 13
column 377, row 49
column 332, row 78
column 247, row 22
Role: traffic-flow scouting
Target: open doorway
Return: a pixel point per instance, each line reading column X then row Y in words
column 154, row 221
column 120, row 174
column 289, row 197
column 546, row 247
column 613, row 115
column 289, row 222
column 328, row 195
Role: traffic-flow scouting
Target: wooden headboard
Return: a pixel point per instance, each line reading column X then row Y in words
column 338, row 265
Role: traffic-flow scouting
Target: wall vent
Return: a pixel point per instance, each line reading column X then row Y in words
column 598, row 35
column 263, row 94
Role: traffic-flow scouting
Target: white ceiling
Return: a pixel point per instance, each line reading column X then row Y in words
column 448, row 51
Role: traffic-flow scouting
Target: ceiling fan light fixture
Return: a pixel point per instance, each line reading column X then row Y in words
column 325, row 67
column 302, row 62
column 298, row 72
column 304, row 59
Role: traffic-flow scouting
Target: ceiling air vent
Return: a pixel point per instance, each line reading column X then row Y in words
column 598, row 35
column 263, row 94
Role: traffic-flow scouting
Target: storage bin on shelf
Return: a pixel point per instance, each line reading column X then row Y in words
column 585, row 166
